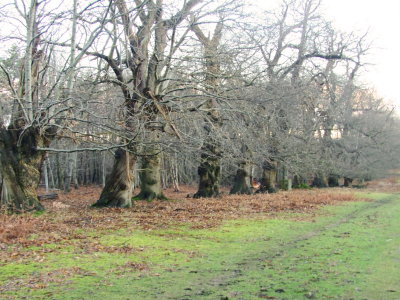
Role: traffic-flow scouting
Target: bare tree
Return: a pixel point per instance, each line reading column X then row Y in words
column 144, row 26
column 210, row 168
column 39, row 109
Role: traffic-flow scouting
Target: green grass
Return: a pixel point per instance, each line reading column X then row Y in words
column 348, row 252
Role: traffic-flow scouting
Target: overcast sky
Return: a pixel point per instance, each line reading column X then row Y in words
column 382, row 19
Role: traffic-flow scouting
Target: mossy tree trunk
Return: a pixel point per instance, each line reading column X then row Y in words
column 348, row 182
column 268, row 181
column 320, row 181
column 299, row 181
column 333, row 180
column 285, row 182
column 209, row 170
column 20, row 168
column 242, row 181
column 20, row 161
column 148, row 61
column 150, row 175
column 118, row 189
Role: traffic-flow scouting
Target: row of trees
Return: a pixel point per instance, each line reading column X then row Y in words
column 165, row 85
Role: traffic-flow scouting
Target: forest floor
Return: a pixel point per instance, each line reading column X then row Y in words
column 302, row 244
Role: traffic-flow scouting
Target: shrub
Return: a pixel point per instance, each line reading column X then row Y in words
column 303, row 186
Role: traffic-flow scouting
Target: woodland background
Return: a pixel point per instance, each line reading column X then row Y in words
column 156, row 94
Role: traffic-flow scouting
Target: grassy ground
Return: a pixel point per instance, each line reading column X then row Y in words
column 347, row 251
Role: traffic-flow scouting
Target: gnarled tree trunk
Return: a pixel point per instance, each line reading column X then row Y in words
column 299, row 181
column 210, row 165
column 242, row 181
column 148, row 62
column 320, row 181
column 209, row 170
column 20, row 168
column 119, row 184
column 268, row 181
column 333, row 180
column 285, row 183
column 348, row 182
column 150, row 175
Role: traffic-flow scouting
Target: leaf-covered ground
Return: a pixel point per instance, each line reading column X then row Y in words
column 70, row 213
column 73, row 245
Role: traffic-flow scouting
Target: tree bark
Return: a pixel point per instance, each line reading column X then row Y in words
column 103, row 169
column 59, row 173
column 268, row 182
column 320, row 181
column 285, row 183
column 150, row 175
column 148, row 70
column 175, row 173
column 210, row 165
column 333, row 180
column 75, row 171
column 209, row 170
column 119, row 185
column 348, row 182
column 242, row 181
column 45, row 174
column 20, row 168
column 68, row 173
column 50, row 172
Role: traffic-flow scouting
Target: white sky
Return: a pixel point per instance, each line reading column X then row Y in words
column 382, row 19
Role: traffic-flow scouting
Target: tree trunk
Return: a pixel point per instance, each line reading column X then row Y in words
column 242, row 181
column 150, row 175
column 348, row 182
column 68, row 173
column 268, row 182
column 20, row 168
column 119, row 185
column 103, row 169
column 333, row 180
column 175, row 173
column 320, row 181
column 58, row 170
column 75, row 170
column 285, row 183
column 45, row 174
column 209, row 170
column 50, row 171
column 299, row 181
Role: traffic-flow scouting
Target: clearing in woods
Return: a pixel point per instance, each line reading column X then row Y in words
column 323, row 244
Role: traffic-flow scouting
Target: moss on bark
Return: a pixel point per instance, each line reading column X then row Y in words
column 150, row 176
column 118, row 189
column 269, row 176
column 20, row 168
column 320, row 181
column 242, row 181
column 209, row 171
